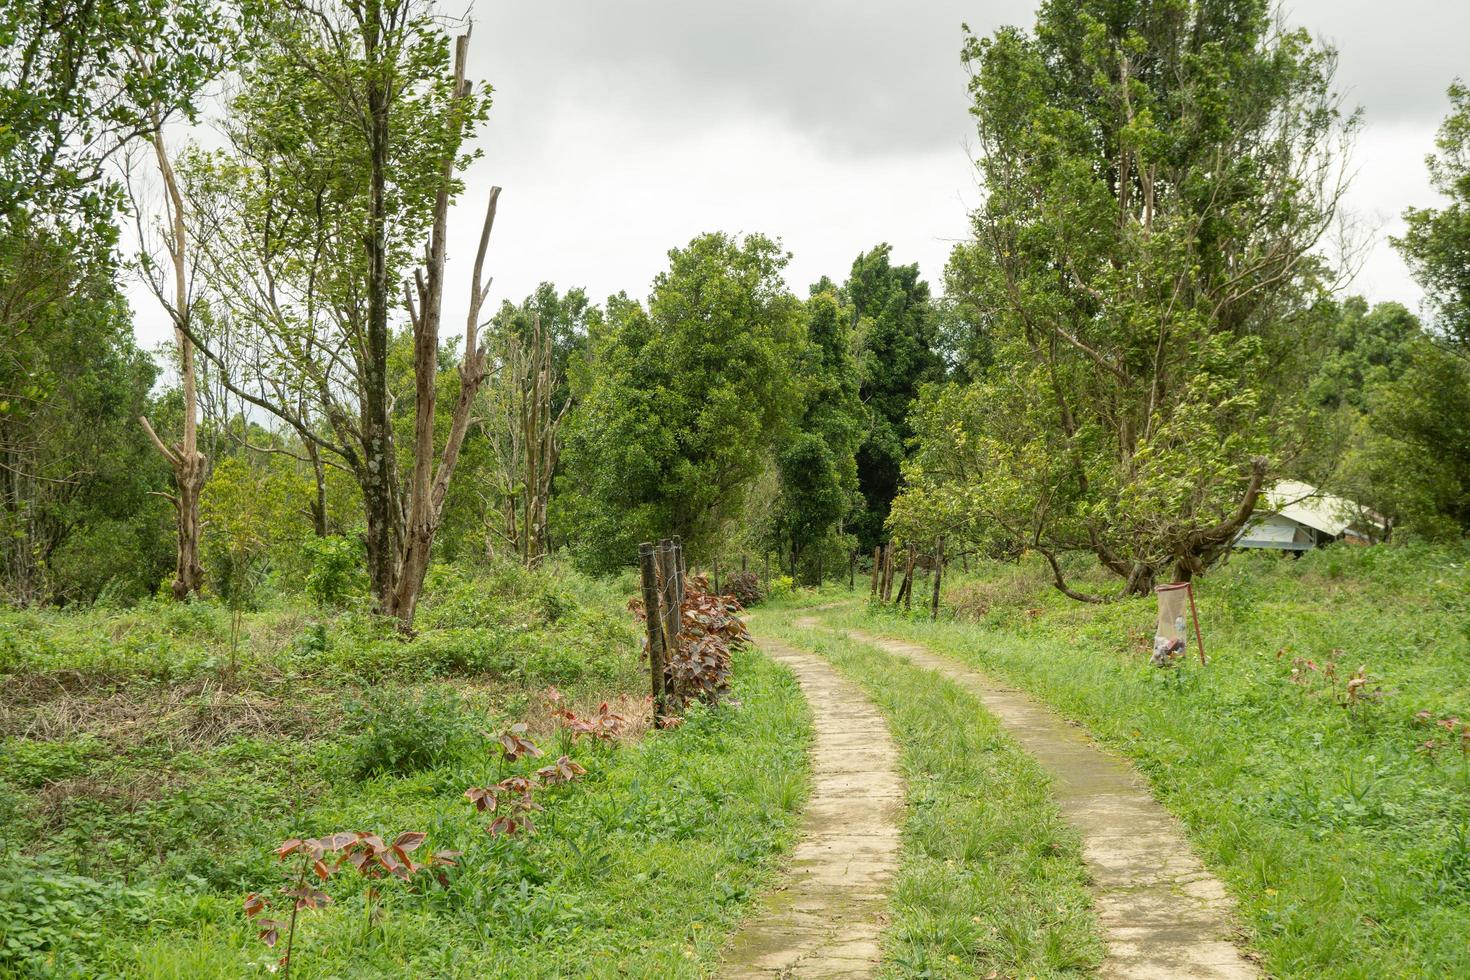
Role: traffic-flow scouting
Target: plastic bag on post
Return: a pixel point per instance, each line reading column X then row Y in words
column 1170, row 634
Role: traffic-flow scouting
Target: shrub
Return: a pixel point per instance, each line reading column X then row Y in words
column 50, row 920
column 334, row 572
column 745, row 588
column 399, row 733
column 781, row 585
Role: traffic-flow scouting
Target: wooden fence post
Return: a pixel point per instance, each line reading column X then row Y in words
column 907, row 589
column 852, row 570
column 877, row 571
column 647, row 562
column 669, row 596
column 938, row 574
column 887, row 592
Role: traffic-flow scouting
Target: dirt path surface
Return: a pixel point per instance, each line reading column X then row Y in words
column 824, row 917
column 1163, row 915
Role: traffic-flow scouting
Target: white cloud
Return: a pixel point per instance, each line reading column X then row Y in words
column 620, row 131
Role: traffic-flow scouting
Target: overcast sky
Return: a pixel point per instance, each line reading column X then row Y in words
column 622, row 128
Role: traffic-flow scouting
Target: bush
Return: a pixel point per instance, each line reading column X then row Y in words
column 781, row 585
column 50, row 920
column 399, row 733
column 334, row 573
column 745, row 587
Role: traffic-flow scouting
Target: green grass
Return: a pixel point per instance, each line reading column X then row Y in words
column 144, row 783
column 991, row 881
column 1347, row 847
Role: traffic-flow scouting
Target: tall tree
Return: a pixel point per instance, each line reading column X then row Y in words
column 83, row 80
column 1159, row 175
column 521, row 420
column 75, row 468
column 1437, row 242
column 818, row 467
column 346, row 141
column 896, row 337
column 680, row 405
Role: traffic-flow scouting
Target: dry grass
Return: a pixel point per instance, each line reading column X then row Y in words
column 199, row 713
column 1013, row 586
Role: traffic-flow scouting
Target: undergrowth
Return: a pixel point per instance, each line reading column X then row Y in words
column 1316, row 760
column 144, row 785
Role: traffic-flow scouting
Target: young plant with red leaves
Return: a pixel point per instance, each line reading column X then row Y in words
column 606, row 725
column 514, row 744
column 367, row 853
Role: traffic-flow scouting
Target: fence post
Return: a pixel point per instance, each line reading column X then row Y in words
column 647, row 565
column 877, row 571
column 938, row 575
column 907, row 589
column 852, row 570
column 668, row 562
column 679, row 572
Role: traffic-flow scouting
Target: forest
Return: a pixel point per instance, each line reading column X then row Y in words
column 325, row 648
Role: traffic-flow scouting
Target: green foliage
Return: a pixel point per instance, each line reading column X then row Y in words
column 75, row 83
column 249, row 509
column 156, row 831
column 1366, row 347
column 680, row 404
column 817, row 467
column 75, row 515
column 334, row 571
column 1145, row 300
column 1413, row 461
column 398, row 732
column 1437, row 242
column 896, row 341
column 52, row 922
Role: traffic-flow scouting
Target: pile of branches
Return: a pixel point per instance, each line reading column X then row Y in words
column 697, row 665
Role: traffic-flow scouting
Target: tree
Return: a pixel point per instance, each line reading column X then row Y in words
column 818, row 467
column 82, row 81
column 1364, row 348
column 75, row 469
column 680, row 405
column 1412, row 463
column 343, row 156
column 1437, row 243
column 896, row 338
column 522, row 423
column 1158, row 178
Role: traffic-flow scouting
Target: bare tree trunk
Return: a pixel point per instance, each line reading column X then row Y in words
column 525, row 435
column 430, row 485
column 189, row 465
column 377, row 472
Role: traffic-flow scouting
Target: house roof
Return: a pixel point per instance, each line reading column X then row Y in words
column 1305, row 504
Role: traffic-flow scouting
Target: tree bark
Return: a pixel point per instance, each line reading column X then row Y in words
column 378, row 471
column 190, row 466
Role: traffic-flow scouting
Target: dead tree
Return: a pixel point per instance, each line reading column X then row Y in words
column 524, row 432
column 428, row 482
column 190, row 466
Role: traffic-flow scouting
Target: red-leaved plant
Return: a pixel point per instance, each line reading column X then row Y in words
column 366, row 853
